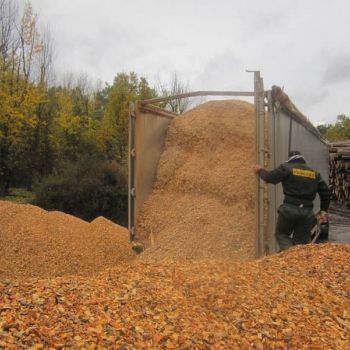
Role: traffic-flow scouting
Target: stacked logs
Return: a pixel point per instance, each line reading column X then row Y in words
column 339, row 171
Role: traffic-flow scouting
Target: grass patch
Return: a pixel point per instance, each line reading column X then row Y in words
column 19, row 195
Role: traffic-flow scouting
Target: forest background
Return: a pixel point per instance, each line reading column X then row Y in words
column 65, row 139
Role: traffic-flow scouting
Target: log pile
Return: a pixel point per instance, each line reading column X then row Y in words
column 339, row 172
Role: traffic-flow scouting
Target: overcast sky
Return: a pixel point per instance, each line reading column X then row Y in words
column 303, row 45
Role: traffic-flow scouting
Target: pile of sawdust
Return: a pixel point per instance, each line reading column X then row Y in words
column 35, row 242
column 203, row 203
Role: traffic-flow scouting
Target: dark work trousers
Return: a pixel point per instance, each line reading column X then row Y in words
column 295, row 221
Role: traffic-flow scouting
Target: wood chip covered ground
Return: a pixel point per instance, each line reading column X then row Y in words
column 299, row 299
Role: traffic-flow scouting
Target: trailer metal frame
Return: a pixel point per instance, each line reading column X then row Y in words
column 277, row 129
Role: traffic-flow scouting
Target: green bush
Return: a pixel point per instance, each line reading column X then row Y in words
column 19, row 195
column 87, row 188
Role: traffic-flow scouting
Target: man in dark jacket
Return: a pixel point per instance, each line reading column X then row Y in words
column 300, row 186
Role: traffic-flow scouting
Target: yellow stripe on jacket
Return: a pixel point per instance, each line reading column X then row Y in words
column 304, row 173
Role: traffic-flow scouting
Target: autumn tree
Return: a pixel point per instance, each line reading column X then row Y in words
column 69, row 135
column 89, row 140
column 113, row 138
column 22, row 92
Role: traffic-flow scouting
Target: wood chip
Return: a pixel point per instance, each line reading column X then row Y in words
column 194, row 304
column 38, row 243
column 203, row 204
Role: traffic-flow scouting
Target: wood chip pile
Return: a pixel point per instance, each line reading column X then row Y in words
column 203, row 201
column 339, row 171
column 69, row 284
column 298, row 299
column 38, row 243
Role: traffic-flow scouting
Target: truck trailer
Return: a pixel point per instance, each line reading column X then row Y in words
column 279, row 128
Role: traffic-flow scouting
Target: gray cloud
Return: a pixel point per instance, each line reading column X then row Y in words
column 338, row 69
column 223, row 72
column 210, row 44
column 308, row 98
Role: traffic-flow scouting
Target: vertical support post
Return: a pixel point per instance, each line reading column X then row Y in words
column 131, row 182
column 272, row 190
column 290, row 136
column 259, row 95
column 261, row 123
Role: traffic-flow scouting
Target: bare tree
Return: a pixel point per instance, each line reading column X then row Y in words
column 8, row 40
column 176, row 87
column 30, row 43
column 45, row 59
column 73, row 80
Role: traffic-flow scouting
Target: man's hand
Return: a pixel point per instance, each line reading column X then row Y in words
column 323, row 217
column 256, row 168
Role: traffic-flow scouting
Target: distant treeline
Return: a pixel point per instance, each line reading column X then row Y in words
column 67, row 142
column 338, row 131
